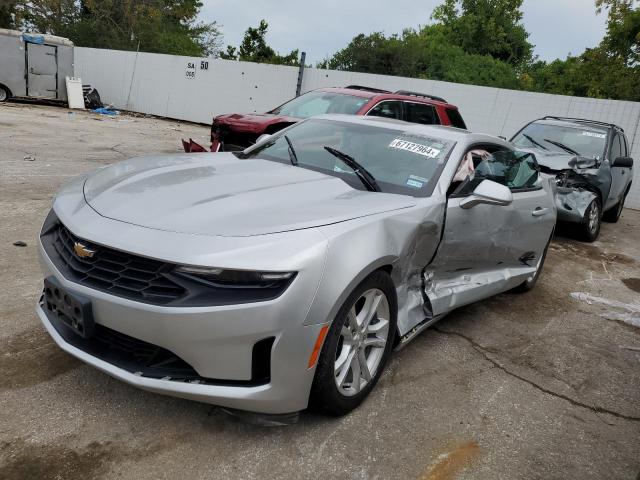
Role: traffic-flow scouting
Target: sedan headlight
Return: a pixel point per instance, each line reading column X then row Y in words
column 561, row 179
column 219, row 277
column 220, row 286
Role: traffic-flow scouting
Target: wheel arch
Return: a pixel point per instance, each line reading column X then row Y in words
column 384, row 263
column 9, row 92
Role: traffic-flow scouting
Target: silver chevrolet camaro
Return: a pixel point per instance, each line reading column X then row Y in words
column 285, row 275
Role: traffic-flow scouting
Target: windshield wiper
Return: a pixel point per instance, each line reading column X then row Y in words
column 562, row 146
column 365, row 177
column 292, row 152
column 530, row 138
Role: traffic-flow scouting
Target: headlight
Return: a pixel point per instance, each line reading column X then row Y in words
column 218, row 277
column 50, row 222
column 210, row 286
column 561, row 179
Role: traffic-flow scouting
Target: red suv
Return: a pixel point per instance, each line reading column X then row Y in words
column 239, row 131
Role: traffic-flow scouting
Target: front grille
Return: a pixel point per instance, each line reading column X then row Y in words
column 112, row 271
column 139, row 278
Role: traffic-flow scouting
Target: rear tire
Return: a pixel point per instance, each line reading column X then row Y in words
column 356, row 339
column 530, row 282
column 4, row 94
column 613, row 214
column 589, row 228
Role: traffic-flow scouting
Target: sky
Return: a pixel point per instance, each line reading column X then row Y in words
column 556, row 27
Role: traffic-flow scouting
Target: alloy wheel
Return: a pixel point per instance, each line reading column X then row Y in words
column 362, row 342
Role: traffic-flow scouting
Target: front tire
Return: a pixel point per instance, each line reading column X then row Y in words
column 357, row 346
column 591, row 222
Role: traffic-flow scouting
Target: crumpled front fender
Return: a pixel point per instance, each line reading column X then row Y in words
column 572, row 203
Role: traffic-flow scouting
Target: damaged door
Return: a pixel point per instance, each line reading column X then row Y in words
column 42, row 71
column 619, row 175
column 489, row 248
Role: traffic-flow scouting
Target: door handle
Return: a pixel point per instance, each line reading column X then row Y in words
column 539, row 211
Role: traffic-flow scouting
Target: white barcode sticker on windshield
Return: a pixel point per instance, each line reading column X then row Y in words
column 594, row 134
column 424, row 150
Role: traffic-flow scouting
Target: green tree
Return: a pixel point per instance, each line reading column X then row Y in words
column 487, row 27
column 610, row 70
column 231, row 53
column 7, row 11
column 623, row 29
column 254, row 48
column 161, row 26
column 426, row 53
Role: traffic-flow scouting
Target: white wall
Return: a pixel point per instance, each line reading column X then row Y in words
column 160, row 85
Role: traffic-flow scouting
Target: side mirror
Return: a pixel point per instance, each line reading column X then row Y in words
column 582, row 162
column 626, row 162
column 488, row 192
column 262, row 137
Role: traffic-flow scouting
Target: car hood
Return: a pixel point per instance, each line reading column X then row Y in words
column 252, row 121
column 555, row 161
column 222, row 195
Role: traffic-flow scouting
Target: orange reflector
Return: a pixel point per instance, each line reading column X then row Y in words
column 318, row 346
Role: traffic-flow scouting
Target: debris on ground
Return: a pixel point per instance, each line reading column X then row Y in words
column 92, row 98
column 106, row 111
column 633, row 349
column 20, row 243
column 29, row 158
column 624, row 312
column 191, row 146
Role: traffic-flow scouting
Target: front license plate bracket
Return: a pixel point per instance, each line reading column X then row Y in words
column 73, row 310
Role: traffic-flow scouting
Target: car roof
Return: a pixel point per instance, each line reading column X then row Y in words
column 378, row 95
column 577, row 123
column 443, row 132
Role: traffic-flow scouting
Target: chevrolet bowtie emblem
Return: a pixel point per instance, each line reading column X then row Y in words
column 82, row 251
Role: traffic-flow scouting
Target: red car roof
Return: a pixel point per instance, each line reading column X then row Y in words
column 385, row 96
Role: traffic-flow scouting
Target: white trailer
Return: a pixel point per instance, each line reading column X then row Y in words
column 34, row 65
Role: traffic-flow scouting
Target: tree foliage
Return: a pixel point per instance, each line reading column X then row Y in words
column 421, row 54
column 623, row 29
column 483, row 42
column 487, row 27
column 160, row 26
column 610, row 70
column 7, row 9
column 254, row 48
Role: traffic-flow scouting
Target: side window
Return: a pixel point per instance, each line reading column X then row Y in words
column 625, row 146
column 387, row 109
column 421, row 113
column 616, row 148
column 455, row 118
column 516, row 170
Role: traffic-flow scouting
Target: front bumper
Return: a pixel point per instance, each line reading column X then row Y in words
column 290, row 380
column 217, row 342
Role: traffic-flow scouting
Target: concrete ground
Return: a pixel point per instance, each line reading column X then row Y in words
column 542, row 385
